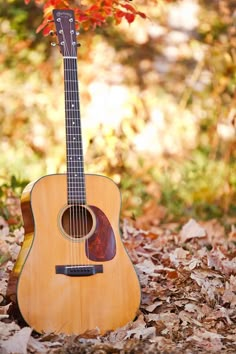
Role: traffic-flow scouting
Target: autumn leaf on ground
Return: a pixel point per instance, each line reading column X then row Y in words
column 191, row 230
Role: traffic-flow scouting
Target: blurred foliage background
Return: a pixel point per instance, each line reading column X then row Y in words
column 158, row 106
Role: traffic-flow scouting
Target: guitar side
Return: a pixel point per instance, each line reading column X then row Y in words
column 51, row 302
column 28, row 223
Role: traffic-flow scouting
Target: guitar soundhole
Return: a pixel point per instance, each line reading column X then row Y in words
column 77, row 221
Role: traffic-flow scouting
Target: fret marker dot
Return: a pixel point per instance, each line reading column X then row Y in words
column 73, row 122
column 74, row 138
column 72, row 105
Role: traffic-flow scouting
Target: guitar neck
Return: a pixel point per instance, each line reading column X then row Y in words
column 74, row 148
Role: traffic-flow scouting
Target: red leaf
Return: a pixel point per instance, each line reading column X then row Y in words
column 130, row 17
column 129, row 7
column 89, row 17
column 42, row 25
column 141, row 14
column 118, row 16
column 172, row 274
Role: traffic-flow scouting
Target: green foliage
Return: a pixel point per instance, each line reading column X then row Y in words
column 204, row 188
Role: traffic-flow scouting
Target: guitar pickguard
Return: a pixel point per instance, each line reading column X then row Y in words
column 101, row 246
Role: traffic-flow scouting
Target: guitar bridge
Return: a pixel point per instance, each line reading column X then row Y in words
column 79, row 270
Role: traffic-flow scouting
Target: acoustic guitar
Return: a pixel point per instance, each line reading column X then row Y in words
column 73, row 273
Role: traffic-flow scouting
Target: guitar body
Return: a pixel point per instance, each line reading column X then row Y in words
column 50, row 297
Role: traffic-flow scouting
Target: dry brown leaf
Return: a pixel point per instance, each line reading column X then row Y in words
column 210, row 287
column 218, row 261
column 147, row 267
column 4, row 309
column 17, row 344
column 178, row 256
column 232, row 283
column 220, row 313
column 34, row 345
column 152, row 307
column 192, row 230
column 170, row 320
column 141, row 333
column 229, row 297
column 8, row 329
column 215, row 231
column 93, row 333
column 209, row 341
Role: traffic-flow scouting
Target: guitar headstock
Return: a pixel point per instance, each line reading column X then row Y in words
column 66, row 32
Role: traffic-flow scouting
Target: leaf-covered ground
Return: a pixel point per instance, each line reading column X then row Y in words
column 188, row 279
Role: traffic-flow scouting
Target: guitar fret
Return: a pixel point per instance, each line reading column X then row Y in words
column 73, row 149
column 79, row 191
column 71, row 186
column 75, row 169
column 72, row 126
column 76, row 187
column 72, row 110
column 72, row 120
column 82, row 194
column 76, row 191
column 77, row 155
column 75, row 184
column 76, row 133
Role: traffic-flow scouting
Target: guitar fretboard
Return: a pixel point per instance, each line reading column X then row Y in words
column 76, row 192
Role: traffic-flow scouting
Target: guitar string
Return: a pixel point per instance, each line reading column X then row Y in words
column 82, row 185
column 81, row 219
column 68, row 144
column 74, row 132
column 73, row 171
column 77, row 228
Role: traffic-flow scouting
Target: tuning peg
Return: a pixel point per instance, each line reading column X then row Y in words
column 53, row 44
column 78, row 45
column 52, row 33
column 77, row 33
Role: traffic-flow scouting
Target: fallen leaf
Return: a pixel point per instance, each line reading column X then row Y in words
column 8, row 329
column 152, row 307
column 218, row 261
column 178, row 256
column 172, row 274
column 209, row 341
column 229, row 297
column 18, row 342
column 192, row 230
column 147, row 267
column 141, row 333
